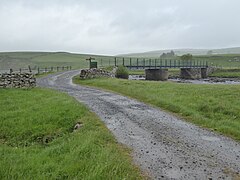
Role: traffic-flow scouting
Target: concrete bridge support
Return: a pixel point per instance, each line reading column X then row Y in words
column 204, row 72
column 156, row 74
column 191, row 73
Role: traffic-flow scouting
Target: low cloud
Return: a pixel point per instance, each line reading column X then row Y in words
column 114, row 27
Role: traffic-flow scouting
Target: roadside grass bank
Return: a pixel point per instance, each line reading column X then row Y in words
column 37, row 140
column 216, row 107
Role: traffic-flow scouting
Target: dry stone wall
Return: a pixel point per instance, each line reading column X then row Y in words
column 17, row 80
column 94, row 73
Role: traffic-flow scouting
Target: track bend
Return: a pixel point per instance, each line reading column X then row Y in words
column 164, row 146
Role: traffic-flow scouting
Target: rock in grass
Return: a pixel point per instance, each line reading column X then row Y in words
column 77, row 126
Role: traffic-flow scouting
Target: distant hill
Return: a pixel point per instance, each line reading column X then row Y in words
column 229, row 57
column 16, row 60
column 179, row 52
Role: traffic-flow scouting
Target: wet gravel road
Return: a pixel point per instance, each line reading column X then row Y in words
column 164, row 146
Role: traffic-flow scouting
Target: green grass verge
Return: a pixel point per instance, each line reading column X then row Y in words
column 37, row 142
column 216, row 107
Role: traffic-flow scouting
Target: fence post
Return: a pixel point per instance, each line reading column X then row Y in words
column 29, row 69
column 20, row 70
column 115, row 61
column 123, row 62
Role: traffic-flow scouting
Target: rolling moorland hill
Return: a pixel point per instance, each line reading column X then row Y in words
column 16, row 60
column 179, row 52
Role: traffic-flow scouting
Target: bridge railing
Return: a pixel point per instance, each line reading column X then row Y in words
column 142, row 63
column 137, row 63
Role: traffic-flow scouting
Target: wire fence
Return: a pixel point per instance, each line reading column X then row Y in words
column 37, row 70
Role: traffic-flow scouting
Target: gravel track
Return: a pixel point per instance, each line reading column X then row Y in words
column 164, row 146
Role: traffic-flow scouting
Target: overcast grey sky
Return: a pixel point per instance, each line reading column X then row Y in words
column 118, row 26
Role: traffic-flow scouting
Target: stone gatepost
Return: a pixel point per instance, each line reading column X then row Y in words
column 156, row 74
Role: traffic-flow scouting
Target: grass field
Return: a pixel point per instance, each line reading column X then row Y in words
column 226, row 73
column 223, row 60
column 37, row 142
column 216, row 107
column 16, row 60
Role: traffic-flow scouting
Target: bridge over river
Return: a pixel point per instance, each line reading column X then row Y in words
column 135, row 63
column 157, row 69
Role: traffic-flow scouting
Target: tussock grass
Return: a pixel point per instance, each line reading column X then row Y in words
column 37, row 142
column 216, row 107
column 122, row 72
